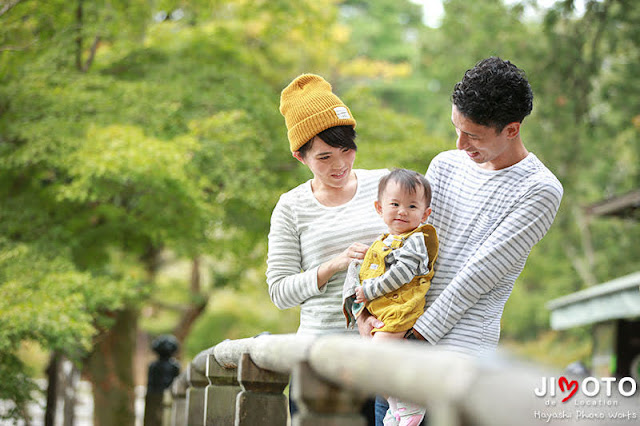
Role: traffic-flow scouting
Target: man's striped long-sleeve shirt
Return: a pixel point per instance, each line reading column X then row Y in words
column 487, row 223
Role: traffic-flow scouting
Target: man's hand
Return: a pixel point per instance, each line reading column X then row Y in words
column 367, row 322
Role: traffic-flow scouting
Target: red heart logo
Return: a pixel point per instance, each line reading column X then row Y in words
column 563, row 382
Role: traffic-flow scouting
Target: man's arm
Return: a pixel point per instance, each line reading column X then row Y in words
column 500, row 253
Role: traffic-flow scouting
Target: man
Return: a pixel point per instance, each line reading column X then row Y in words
column 492, row 202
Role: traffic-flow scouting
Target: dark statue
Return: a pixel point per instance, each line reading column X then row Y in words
column 160, row 376
column 165, row 369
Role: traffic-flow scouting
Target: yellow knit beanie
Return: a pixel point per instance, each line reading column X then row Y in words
column 309, row 107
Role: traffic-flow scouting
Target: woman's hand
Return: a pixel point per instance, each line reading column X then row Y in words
column 355, row 251
column 340, row 262
column 367, row 322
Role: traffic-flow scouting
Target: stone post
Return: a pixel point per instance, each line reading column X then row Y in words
column 179, row 403
column 220, row 394
column 195, row 396
column 322, row 403
column 261, row 401
column 166, row 407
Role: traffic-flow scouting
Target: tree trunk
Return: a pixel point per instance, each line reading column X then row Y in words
column 196, row 307
column 111, row 372
column 79, row 36
column 52, row 389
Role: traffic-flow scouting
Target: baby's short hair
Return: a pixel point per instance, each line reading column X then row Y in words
column 409, row 180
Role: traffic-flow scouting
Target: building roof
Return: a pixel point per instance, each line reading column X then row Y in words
column 616, row 299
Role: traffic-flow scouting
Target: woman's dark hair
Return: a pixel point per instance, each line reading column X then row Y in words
column 337, row 137
column 494, row 93
column 409, row 180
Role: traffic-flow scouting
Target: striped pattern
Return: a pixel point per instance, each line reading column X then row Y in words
column 402, row 264
column 303, row 235
column 487, row 223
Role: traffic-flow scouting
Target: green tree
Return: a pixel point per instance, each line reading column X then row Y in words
column 159, row 138
column 583, row 126
column 588, row 113
column 383, row 30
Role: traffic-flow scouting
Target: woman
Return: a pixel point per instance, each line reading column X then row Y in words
column 319, row 227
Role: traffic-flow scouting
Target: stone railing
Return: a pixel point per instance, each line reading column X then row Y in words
column 241, row 382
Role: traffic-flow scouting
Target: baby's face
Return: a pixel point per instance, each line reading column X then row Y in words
column 401, row 210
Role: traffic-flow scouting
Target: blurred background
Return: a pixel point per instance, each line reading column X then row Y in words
column 142, row 151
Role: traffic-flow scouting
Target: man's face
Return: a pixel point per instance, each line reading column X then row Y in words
column 484, row 145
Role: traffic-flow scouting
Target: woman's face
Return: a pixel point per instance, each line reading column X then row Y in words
column 330, row 166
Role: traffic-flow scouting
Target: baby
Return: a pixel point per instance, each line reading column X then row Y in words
column 396, row 271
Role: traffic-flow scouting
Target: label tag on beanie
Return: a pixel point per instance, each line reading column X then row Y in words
column 342, row 112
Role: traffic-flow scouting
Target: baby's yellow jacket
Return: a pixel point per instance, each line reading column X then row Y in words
column 400, row 309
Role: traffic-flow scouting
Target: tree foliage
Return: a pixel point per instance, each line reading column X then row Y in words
column 123, row 139
column 136, row 136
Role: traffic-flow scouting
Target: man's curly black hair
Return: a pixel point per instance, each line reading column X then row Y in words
column 493, row 93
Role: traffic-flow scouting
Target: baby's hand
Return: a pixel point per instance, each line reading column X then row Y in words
column 360, row 295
